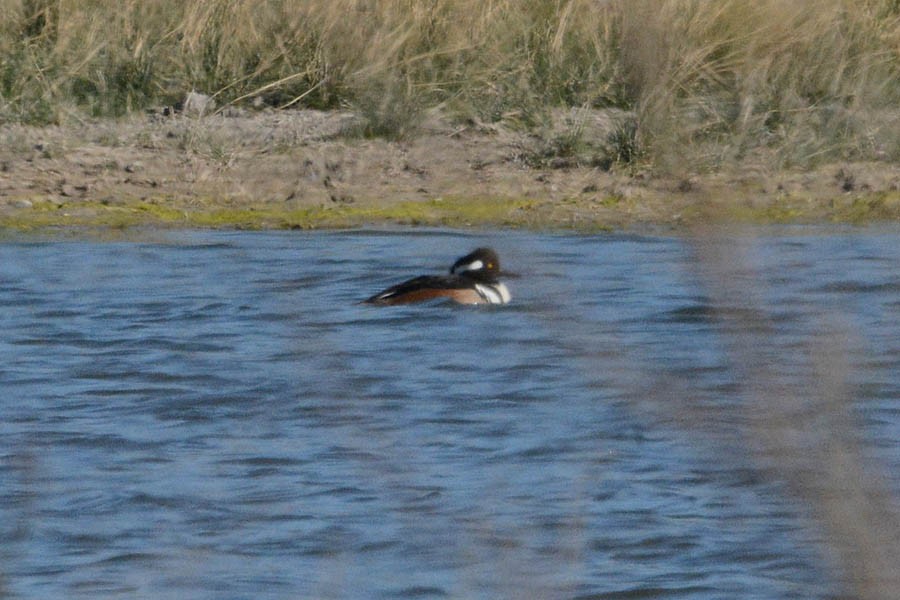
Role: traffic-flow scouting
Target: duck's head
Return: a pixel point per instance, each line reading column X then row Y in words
column 481, row 263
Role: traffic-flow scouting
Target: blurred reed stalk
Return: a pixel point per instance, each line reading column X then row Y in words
column 786, row 82
column 802, row 430
column 790, row 416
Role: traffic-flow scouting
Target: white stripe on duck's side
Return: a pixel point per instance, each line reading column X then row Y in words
column 495, row 293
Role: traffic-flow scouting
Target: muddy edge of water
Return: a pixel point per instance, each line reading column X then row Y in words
column 304, row 169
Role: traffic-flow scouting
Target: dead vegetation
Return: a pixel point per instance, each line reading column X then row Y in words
column 769, row 84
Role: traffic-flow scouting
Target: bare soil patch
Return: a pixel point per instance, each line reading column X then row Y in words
column 309, row 169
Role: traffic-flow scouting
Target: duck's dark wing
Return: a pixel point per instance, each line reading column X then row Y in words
column 421, row 288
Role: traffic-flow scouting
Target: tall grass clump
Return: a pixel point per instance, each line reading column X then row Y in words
column 491, row 60
column 793, row 80
column 784, row 81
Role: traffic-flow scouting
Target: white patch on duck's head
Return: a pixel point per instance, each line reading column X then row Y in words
column 475, row 265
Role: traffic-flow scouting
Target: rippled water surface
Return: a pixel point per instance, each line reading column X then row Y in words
column 212, row 415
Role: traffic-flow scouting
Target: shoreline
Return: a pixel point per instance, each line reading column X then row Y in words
column 309, row 170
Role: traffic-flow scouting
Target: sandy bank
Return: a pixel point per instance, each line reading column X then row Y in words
column 308, row 169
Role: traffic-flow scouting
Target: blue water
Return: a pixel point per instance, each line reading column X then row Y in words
column 212, row 414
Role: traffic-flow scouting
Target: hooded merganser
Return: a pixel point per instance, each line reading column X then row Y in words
column 473, row 279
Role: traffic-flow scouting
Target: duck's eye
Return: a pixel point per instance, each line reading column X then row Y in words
column 490, row 265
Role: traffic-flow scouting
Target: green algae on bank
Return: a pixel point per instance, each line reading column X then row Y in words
column 580, row 214
column 211, row 213
column 803, row 208
column 882, row 206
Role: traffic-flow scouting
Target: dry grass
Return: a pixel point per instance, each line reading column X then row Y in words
column 786, row 82
column 797, row 80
